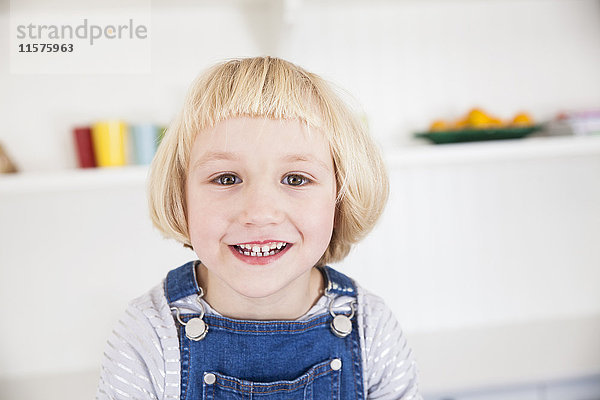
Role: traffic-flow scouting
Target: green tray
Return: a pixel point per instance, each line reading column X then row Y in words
column 473, row 135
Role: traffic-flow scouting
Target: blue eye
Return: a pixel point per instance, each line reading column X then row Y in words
column 295, row 180
column 227, row 180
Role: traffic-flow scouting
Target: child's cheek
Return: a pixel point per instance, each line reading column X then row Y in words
column 202, row 216
column 319, row 221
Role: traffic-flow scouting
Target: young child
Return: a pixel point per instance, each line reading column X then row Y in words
column 268, row 176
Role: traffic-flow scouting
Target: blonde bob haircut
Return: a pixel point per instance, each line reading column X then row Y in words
column 272, row 88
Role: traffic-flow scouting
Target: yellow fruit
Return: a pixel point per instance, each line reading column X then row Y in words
column 438, row 125
column 478, row 118
column 495, row 123
column 461, row 123
column 522, row 119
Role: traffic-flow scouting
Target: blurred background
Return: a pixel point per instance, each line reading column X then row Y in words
column 488, row 251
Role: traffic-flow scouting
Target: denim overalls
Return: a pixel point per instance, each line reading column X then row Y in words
column 268, row 360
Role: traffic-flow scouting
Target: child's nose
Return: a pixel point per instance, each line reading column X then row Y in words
column 261, row 206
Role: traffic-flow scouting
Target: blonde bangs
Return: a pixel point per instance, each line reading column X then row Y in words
column 265, row 87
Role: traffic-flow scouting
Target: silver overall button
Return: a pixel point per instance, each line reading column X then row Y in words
column 341, row 326
column 336, row 364
column 209, row 379
column 196, row 329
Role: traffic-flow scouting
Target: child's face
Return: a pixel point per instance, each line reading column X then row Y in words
column 254, row 184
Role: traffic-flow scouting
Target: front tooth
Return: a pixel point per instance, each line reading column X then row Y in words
column 253, row 254
column 259, row 254
column 265, row 249
column 256, row 249
column 246, row 253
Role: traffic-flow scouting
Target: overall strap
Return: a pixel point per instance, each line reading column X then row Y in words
column 338, row 283
column 181, row 282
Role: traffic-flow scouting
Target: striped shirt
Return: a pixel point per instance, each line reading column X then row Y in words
column 141, row 360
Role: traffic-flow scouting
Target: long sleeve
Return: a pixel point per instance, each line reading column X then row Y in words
column 390, row 371
column 141, row 360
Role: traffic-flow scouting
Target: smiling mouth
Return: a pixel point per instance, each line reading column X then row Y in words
column 261, row 250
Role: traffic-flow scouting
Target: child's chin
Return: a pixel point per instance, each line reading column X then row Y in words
column 258, row 290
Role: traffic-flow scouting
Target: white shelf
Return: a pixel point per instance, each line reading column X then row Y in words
column 421, row 155
column 493, row 151
column 72, row 180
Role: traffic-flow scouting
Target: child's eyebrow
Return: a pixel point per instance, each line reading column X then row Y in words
column 305, row 158
column 215, row 156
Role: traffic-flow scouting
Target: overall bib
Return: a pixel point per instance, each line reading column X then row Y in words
column 268, row 360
